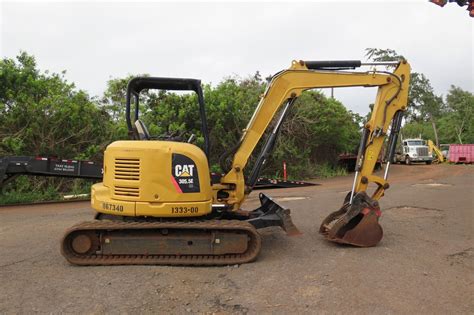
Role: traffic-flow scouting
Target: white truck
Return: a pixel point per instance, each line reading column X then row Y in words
column 413, row 150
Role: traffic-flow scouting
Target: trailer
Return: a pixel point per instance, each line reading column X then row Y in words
column 461, row 153
column 348, row 161
column 14, row 166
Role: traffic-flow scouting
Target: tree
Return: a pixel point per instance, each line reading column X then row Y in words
column 43, row 114
column 454, row 122
column 229, row 106
column 423, row 103
column 460, row 114
column 382, row 55
column 114, row 96
column 317, row 130
column 113, row 102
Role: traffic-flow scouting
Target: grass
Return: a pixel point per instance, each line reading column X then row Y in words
column 16, row 197
column 328, row 171
column 325, row 170
column 26, row 189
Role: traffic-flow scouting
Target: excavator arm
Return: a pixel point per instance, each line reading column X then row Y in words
column 390, row 103
column 434, row 149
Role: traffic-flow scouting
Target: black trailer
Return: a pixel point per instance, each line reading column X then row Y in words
column 14, row 166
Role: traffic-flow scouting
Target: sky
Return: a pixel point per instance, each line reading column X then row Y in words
column 97, row 41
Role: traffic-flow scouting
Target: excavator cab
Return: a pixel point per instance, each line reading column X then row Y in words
column 137, row 129
column 154, row 176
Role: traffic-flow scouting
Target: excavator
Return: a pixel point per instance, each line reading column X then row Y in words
column 434, row 150
column 157, row 203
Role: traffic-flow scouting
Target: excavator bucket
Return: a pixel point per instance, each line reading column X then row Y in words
column 355, row 224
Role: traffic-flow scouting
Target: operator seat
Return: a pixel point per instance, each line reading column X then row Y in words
column 142, row 130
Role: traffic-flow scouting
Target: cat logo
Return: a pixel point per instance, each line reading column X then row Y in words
column 184, row 174
column 183, row 170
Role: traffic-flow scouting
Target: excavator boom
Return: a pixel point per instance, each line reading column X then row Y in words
column 434, row 149
column 356, row 222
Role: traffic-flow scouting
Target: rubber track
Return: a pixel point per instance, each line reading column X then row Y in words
column 196, row 260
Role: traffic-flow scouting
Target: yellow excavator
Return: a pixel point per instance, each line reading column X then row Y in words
column 434, row 150
column 157, row 203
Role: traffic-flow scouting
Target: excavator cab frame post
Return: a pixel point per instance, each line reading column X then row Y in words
column 138, row 84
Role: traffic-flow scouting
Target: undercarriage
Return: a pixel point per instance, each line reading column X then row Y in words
column 226, row 239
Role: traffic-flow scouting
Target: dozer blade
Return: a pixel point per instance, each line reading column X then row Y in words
column 272, row 214
column 355, row 224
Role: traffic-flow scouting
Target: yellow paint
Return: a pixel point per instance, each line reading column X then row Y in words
column 298, row 78
column 434, row 149
column 370, row 155
column 143, row 184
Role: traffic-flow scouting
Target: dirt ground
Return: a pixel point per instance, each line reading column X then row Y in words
column 424, row 264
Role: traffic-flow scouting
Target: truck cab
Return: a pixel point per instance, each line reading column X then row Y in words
column 413, row 150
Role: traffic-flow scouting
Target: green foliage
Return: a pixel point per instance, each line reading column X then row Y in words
column 33, row 189
column 316, row 131
column 43, row 114
column 459, row 120
column 455, row 120
column 381, row 55
column 327, row 170
column 423, row 104
column 415, row 129
column 14, row 197
column 28, row 189
column 229, row 107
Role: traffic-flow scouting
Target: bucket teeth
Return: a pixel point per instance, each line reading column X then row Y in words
column 355, row 224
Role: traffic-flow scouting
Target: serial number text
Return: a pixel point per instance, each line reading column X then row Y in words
column 112, row 207
column 184, row 210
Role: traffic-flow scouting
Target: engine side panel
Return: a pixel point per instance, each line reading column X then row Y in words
column 154, row 178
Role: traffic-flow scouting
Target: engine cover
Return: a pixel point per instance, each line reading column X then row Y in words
column 154, row 178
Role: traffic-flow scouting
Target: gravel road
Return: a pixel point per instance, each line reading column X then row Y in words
column 424, row 264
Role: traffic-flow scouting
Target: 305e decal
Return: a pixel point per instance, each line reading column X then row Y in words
column 184, row 174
